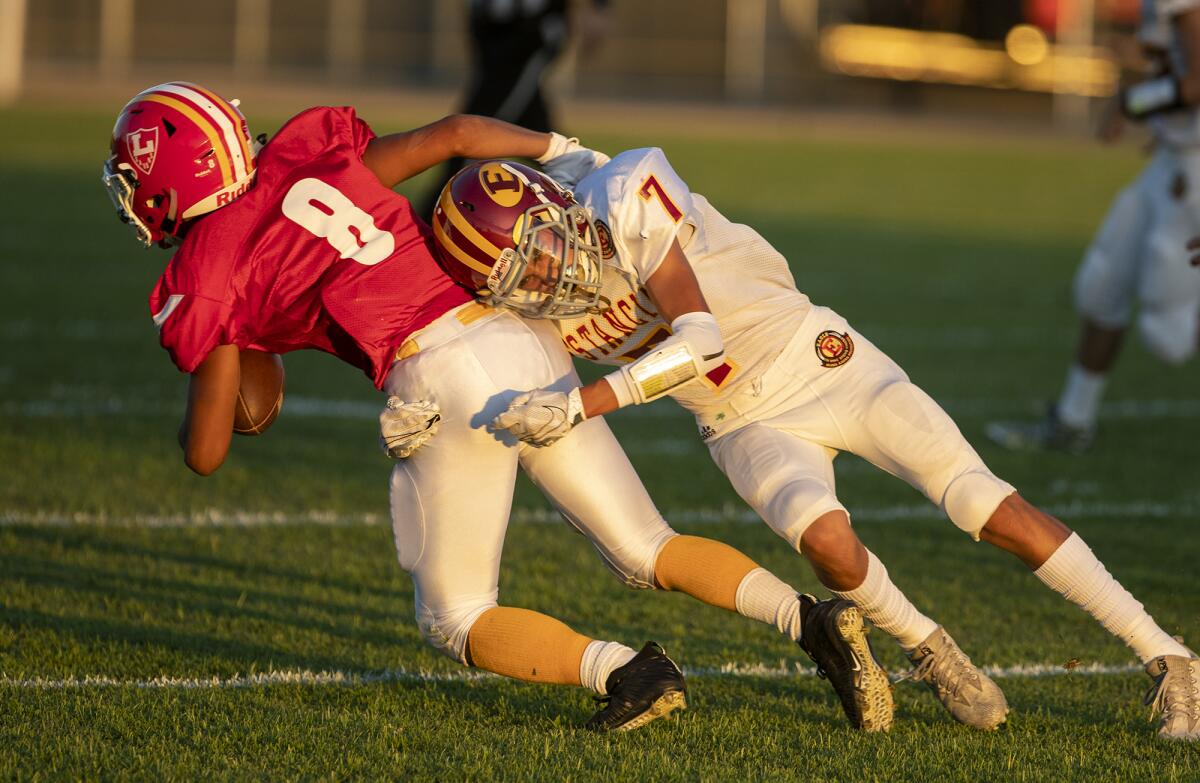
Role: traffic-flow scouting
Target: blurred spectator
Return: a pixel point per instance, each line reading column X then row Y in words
column 513, row 44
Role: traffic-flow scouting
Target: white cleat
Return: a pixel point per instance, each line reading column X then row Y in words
column 1175, row 694
column 969, row 694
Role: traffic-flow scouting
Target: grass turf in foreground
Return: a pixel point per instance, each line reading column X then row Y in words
column 134, row 604
column 744, row 729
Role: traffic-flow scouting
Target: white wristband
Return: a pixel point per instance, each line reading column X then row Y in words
column 700, row 331
column 694, row 348
column 621, row 388
column 559, row 145
column 1150, row 97
column 661, row 371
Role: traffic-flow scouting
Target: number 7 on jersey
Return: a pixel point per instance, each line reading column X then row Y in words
column 653, row 188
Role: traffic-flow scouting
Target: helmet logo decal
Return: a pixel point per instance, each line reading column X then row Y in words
column 143, row 147
column 501, row 184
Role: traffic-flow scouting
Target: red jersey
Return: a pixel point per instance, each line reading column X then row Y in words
column 317, row 254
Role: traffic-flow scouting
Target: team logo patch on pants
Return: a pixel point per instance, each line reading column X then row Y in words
column 834, row 349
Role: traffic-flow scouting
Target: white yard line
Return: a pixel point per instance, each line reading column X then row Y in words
column 322, row 678
column 729, row 513
column 711, row 515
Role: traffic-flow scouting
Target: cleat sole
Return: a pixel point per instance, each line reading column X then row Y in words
column 878, row 713
column 662, row 707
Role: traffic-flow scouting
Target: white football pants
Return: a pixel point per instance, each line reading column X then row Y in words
column 777, row 437
column 451, row 500
column 1138, row 256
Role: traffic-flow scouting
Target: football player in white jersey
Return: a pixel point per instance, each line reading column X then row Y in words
column 1137, row 257
column 688, row 304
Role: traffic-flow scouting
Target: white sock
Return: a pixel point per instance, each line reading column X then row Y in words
column 883, row 604
column 599, row 660
column 1075, row 573
column 764, row 597
column 1079, row 403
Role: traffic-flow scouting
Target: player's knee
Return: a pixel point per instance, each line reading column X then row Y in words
column 1169, row 334
column 972, row 497
column 1101, row 294
column 447, row 629
column 796, row 505
column 633, row 560
column 829, row 537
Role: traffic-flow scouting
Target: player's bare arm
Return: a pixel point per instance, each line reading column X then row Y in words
column 675, row 291
column 1188, row 26
column 674, row 287
column 1179, row 86
column 207, row 427
column 398, row 156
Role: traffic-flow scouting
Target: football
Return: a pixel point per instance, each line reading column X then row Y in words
column 260, row 396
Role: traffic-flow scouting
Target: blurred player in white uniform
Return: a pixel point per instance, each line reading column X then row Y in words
column 689, row 304
column 1137, row 260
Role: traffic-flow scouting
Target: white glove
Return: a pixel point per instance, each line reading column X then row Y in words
column 566, row 161
column 541, row 417
column 405, row 426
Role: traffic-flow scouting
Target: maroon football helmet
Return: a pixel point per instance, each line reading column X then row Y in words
column 519, row 240
column 178, row 151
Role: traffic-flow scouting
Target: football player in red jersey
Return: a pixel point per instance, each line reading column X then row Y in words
column 303, row 244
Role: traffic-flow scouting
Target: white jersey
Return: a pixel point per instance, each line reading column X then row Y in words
column 640, row 205
column 1158, row 31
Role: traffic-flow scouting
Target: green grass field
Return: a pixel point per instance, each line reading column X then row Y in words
column 255, row 624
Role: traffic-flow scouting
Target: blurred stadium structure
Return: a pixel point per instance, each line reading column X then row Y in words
column 1047, row 58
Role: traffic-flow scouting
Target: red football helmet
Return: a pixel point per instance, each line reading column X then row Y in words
column 512, row 234
column 178, row 151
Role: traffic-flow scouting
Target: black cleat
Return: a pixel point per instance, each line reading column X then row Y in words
column 1050, row 433
column 833, row 635
column 650, row 686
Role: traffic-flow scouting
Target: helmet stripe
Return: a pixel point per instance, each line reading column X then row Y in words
column 464, row 227
column 460, row 255
column 219, row 118
column 222, row 154
column 234, row 116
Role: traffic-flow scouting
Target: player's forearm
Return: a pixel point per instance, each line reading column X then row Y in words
column 1188, row 26
column 1174, row 88
column 485, row 137
column 208, row 424
column 203, row 455
column 399, row 156
column 598, row 398
column 694, row 349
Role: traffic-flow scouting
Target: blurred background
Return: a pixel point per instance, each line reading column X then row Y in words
column 1028, row 60
column 926, row 167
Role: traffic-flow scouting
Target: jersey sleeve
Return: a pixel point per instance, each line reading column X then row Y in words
column 357, row 133
column 316, row 131
column 189, row 326
column 648, row 210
